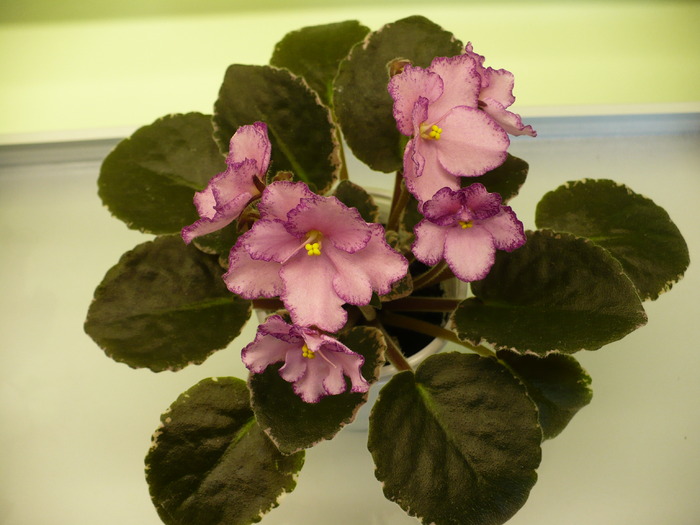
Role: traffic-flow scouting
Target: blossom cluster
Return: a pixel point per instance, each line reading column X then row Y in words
column 318, row 255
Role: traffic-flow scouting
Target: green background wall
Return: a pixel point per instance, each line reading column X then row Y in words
column 75, row 65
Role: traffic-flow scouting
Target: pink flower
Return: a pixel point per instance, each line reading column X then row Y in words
column 496, row 94
column 315, row 253
column 229, row 192
column 315, row 363
column 465, row 228
column 451, row 137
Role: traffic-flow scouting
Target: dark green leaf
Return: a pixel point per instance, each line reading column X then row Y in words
column 556, row 383
column 220, row 241
column 211, row 464
column 314, row 53
column 505, row 180
column 361, row 100
column 458, row 442
column 293, row 424
column 556, row 293
column 164, row 306
column 299, row 126
column 636, row 231
column 149, row 179
column 356, row 196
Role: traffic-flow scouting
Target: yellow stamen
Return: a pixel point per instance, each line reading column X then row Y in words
column 313, row 249
column 433, row 132
column 467, row 224
column 307, row 352
column 313, row 245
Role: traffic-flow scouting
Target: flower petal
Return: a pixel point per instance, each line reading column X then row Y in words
column 406, row 88
column 461, row 84
column 510, row 122
column 280, row 197
column 250, row 278
column 444, row 207
column 205, row 201
column 342, row 226
column 309, row 295
column 251, row 142
column 269, row 240
column 429, row 243
column 376, row 267
column 425, row 176
column 237, row 179
column 499, row 87
column 351, row 364
column 295, row 364
column 264, row 351
column 469, row 252
column 479, row 203
column 471, row 143
column 505, row 228
column 310, row 387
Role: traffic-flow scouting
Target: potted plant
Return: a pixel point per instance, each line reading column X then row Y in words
column 254, row 208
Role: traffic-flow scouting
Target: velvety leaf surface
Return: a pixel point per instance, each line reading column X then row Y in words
column 211, row 464
column 220, row 241
column 361, row 100
column 294, row 425
column 314, row 53
column 557, row 292
column 299, row 125
column 149, row 179
column 636, row 231
column 164, row 306
column 556, row 383
column 457, row 443
column 505, row 180
column 355, row 196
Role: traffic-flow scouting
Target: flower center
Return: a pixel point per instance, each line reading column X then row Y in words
column 466, row 224
column 313, row 243
column 307, row 352
column 430, row 132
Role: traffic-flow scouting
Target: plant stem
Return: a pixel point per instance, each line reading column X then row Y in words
column 414, row 303
column 423, row 327
column 438, row 273
column 398, row 202
column 393, row 354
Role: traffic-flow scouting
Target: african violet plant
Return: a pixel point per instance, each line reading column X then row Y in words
column 278, row 226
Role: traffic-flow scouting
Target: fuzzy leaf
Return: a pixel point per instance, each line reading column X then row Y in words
column 149, row 179
column 314, row 53
column 636, row 231
column 362, row 103
column 505, row 180
column 294, row 425
column 300, row 127
column 457, row 443
column 556, row 383
column 164, row 306
column 556, row 293
column 211, row 464
column 355, row 196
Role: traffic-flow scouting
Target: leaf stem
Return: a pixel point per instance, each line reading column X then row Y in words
column 393, row 354
column 423, row 327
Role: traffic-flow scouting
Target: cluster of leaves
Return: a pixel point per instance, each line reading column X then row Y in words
column 458, row 439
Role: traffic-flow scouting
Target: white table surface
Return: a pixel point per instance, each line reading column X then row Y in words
column 74, row 425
